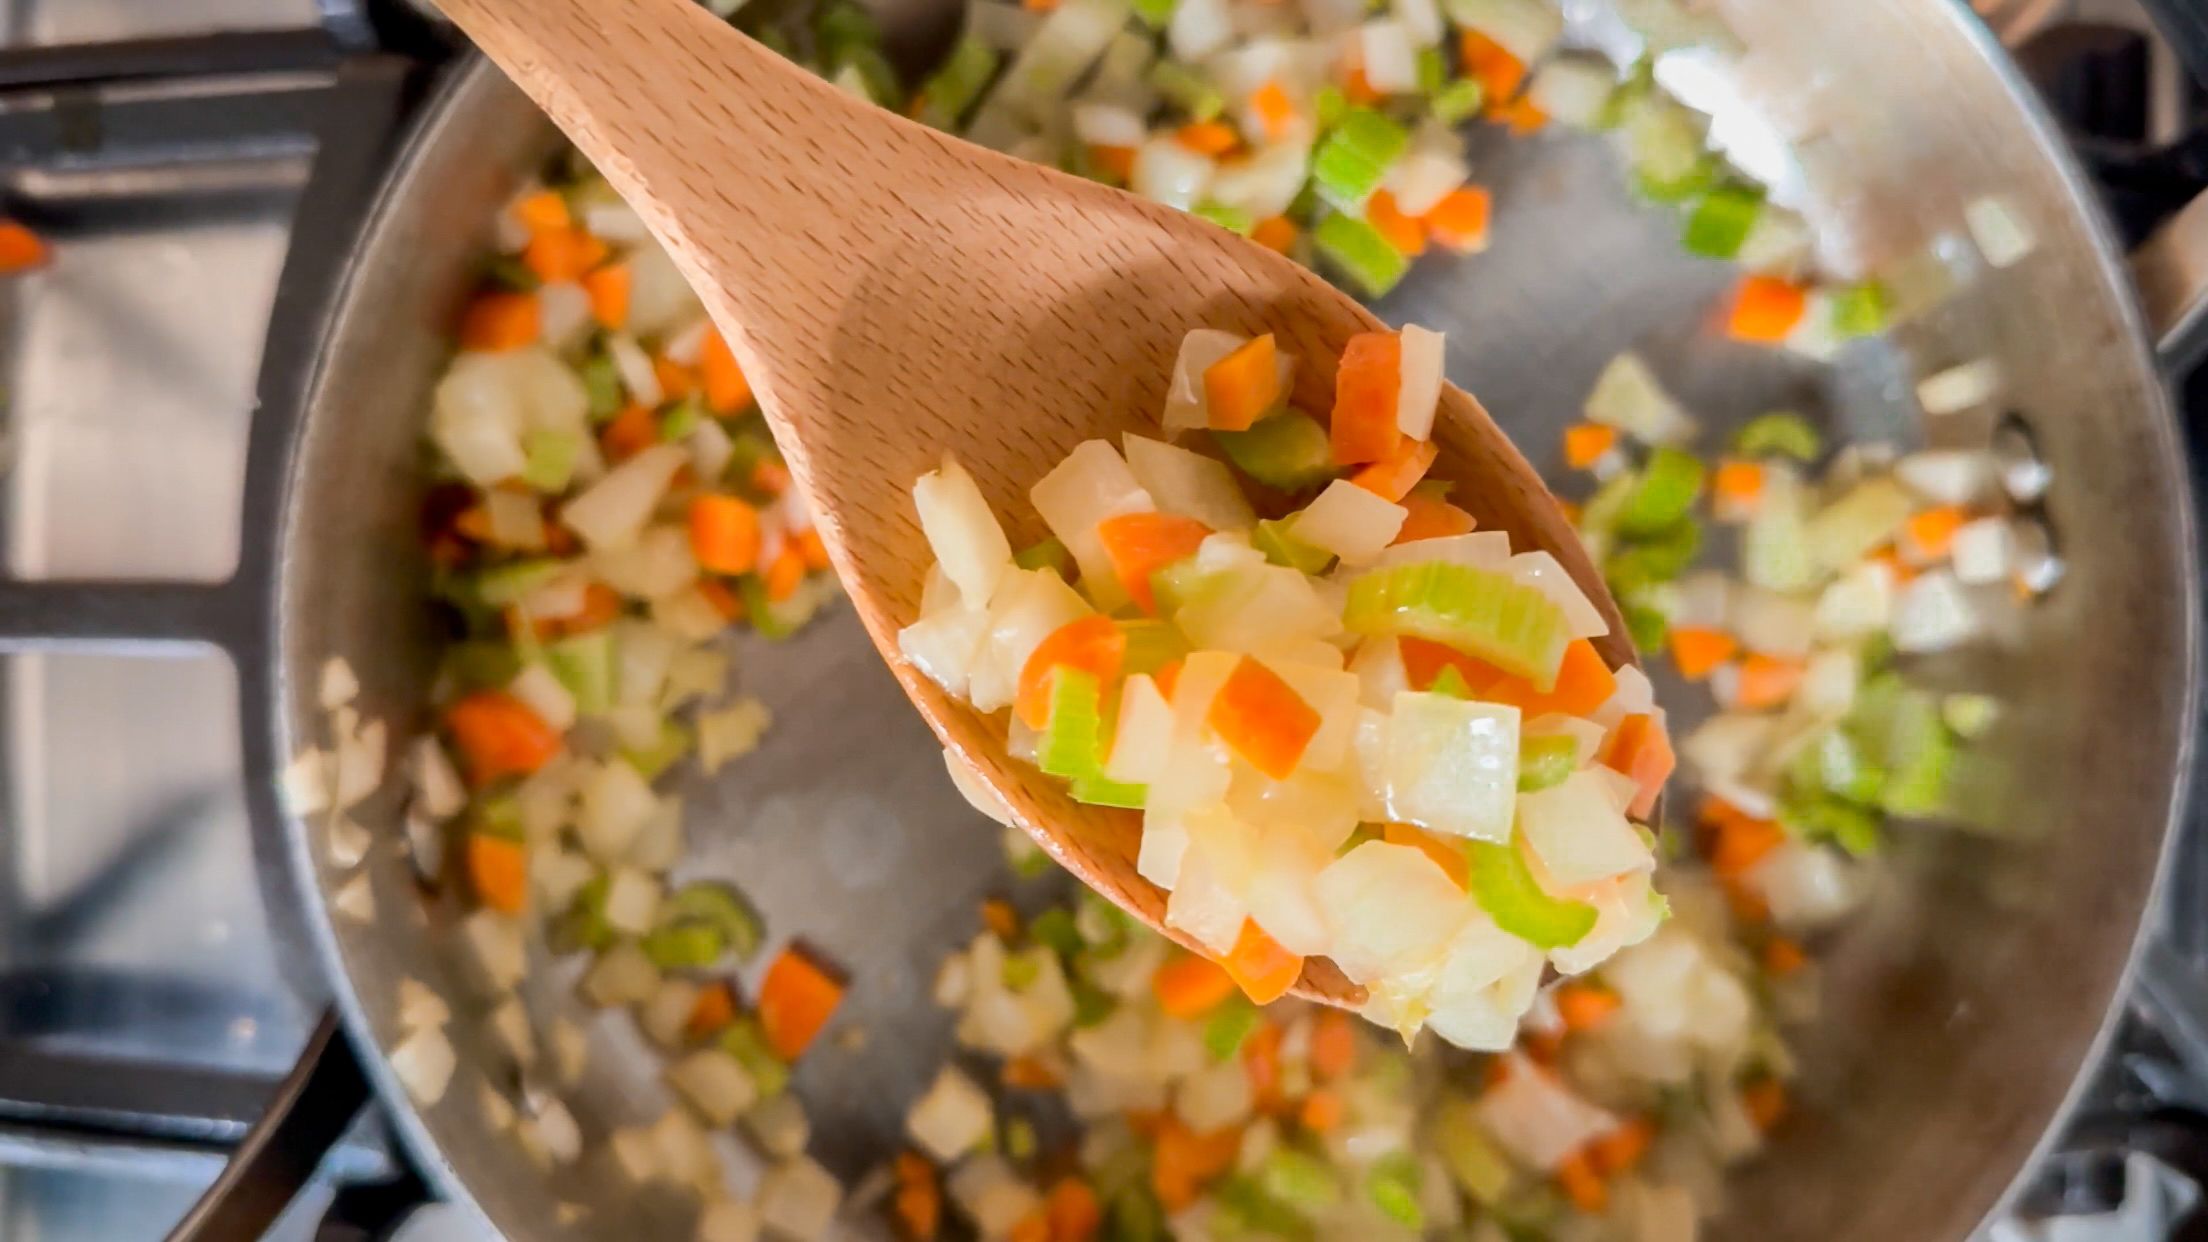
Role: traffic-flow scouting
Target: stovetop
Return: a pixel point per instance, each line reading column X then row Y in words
column 146, row 1008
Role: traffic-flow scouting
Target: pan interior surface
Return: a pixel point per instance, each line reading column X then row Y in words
column 1959, row 1011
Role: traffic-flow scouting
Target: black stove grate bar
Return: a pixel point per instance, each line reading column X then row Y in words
column 119, row 615
column 85, row 65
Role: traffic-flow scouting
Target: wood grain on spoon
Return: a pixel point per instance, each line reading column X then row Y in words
column 895, row 294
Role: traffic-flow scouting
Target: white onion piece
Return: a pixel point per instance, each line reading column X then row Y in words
column 977, row 795
column 1166, row 171
column 1829, row 682
column 1214, row 1097
column 614, row 510
column 1774, row 624
column 1727, row 746
column 1469, row 1008
column 1259, row 608
column 715, row 1084
column 1378, row 667
column 711, row 450
column 1451, row 765
column 632, row 901
column 1999, row 229
column 1484, row 549
column 1199, row 28
column 1109, row 125
column 1093, row 483
column 660, row 297
column 1184, row 398
column 1544, row 573
column 1526, row 28
column 1419, row 394
column 1209, row 900
column 1350, row 522
column 968, row 542
column 563, row 313
column 1586, row 735
column 656, row 563
column 992, row 1195
column 1947, row 476
column 615, row 803
column 1389, row 910
column 1537, row 1119
column 1960, row 388
column 1628, row 397
column 1283, row 899
column 944, row 644
column 1028, row 605
column 438, row 790
column 951, row 1118
column 1634, row 696
column 1806, row 886
column 1144, row 735
column 542, row 692
column 638, row 377
column 423, row 1063
column 492, row 945
column 1189, row 484
column 1265, row 182
column 417, row 1006
column 1422, row 19
column 1579, row 834
column 1933, row 613
column 1389, row 57
column 1573, row 90
column 1984, row 551
column 798, row 1200
column 1857, row 604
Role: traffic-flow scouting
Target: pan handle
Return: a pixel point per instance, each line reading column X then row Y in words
column 2171, row 267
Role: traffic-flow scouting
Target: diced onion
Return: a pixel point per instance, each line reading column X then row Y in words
column 951, row 1118
column 1544, row 573
column 1028, row 606
column 492, row 944
column 1184, row 398
column 1144, row 733
column 615, row 509
column 616, row 801
column 1189, row 484
column 1166, row 170
column 1390, row 910
column 1960, row 388
column 1093, row 483
column 1933, row 613
column 1109, row 125
column 798, row 1200
column 437, row 788
column 1199, row 28
column 1389, row 57
column 1578, row 832
column 1628, row 397
column 1537, row 1118
column 423, row 1063
column 541, row 691
column 714, row 1083
column 622, row 975
column 1350, row 522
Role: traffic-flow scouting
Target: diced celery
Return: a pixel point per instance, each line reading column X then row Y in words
column 480, row 665
column 1688, row 183
column 1156, row 14
column 1072, row 743
column 683, row 945
column 1102, row 791
column 1021, row 971
column 1669, row 485
column 958, row 82
column 680, row 420
column 1600, row 514
column 1643, row 563
column 551, row 459
column 1048, row 554
column 1230, row 1024
column 1835, row 764
column 673, row 744
column 841, row 28
column 713, row 902
column 1232, row 219
column 1504, row 886
column 775, row 619
column 747, row 1042
column 1861, row 310
column 1151, row 645
column 1506, row 623
column 1479, row 1168
column 1288, row 451
column 1899, row 728
column 1433, row 70
column 1970, row 715
column 1355, row 157
column 1020, row 1139
column 584, row 665
column 1185, row 88
column 501, row 585
column 1843, row 823
column 1244, row 1209
column 1277, row 541
column 1781, row 433
column 1719, row 225
column 1329, row 106
column 1645, row 624
column 1302, row 1181
column 583, row 925
column 497, row 816
column 1393, row 1184
column 1359, row 253
column 1091, row 1004
column 1178, row 583
column 1054, row 928
column 1544, row 760
column 1450, row 683
column 1458, row 101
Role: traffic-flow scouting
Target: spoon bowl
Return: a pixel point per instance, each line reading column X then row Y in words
column 894, row 294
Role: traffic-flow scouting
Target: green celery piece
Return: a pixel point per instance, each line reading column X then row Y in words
column 1641, row 564
column 669, row 750
column 1328, row 106
column 1899, row 728
column 505, row 584
column 1433, row 70
column 1228, row 1025
column 508, row 272
column 583, row 925
column 683, row 945
column 1504, row 886
column 1054, row 928
column 497, row 816
column 602, row 383
column 1450, row 684
column 1459, row 101
column 551, row 459
column 1544, row 761
column 1509, row 625
column 1021, row 971
column 1091, row 1004
column 1232, row 219
column 1136, row 1216
column 678, row 422
column 1156, row 14
column 1020, row 1139
column 880, row 77
column 1837, row 765
column 759, row 610
column 1969, row 715
column 1102, row 791
column 1300, row 1180
column 1646, row 625
column 1072, row 743
column 1176, row 584
column 958, row 82
column 841, row 28
column 1047, row 554
column 1677, row 189
column 1247, row 1210
column 710, row 901
column 1669, row 485
column 480, row 665
column 1288, row 451
column 1151, row 645
column 1275, row 538
column 1186, row 88
column 1393, row 1185
column 1861, row 310
column 1355, row 156
column 1843, row 823
column 1719, row 225
column 1600, row 513
column 1781, row 433
column 747, row 1042
column 584, row 665
column 1359, row 253
column 1474, row 1162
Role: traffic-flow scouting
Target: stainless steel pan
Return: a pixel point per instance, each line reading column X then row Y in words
column 1960, row 1011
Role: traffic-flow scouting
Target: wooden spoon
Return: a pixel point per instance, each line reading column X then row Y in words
column 894, row 294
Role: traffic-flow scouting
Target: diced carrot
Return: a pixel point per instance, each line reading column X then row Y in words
column 1168, row 676
column 1522, row 115
column 1748, row 907
column 1213, row 138
column 1333, row 1044
column 1584, row 1006
column 1424, row 660
column 498, row 871
column 499, row 735
column 1765, row 1102
column 1583, row 684
column 1261, row 1065
column 1577, row 1178
column 724, row 534
column 542, row 212
column 1393, row 477
column 1571, row 509
column 1075, row 1215
column 1782, row 956
column 1093, row 644
column 1185, row 1161
column 21, row 249
column 1766, row 309
column 1585, row 443
column 785, row 574
column 1244, row 386
column 557, row 255
column 770, row 478
column 1189, row 986
column 810, row 546
column 1741, row 844
column 1446, row 856
column 1891, row 558
column 1035, row 1226
column 725, row 601
column 1767, row 681
column 1357, row 86
column 1001, row 919
column 1039, row 6
column 1029, row 1073
column 609, row 288
column 1460, row 220
column 726, row 389
column 1274, row 109
column 1403, row 232
column 1499, row 72
column 919, row 1203
column 473, row 524
column 1544, row 1048
column 714, row 1009
column 1263, row 969
column 676, row 381
column 1697, row 650
column 1365, row 385
column 499, row 321
column 1320, row 1112
column 1641, row 749
column 1275, row 233
column 1736, row 490
column 1621, row 1150
column 630, row 432
column 1141, row 544
column 795, row 1001
column 1929, row 535
column 1261, row 718
column 1118, row 163
column 1431, row 517
column 1495, row 1074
